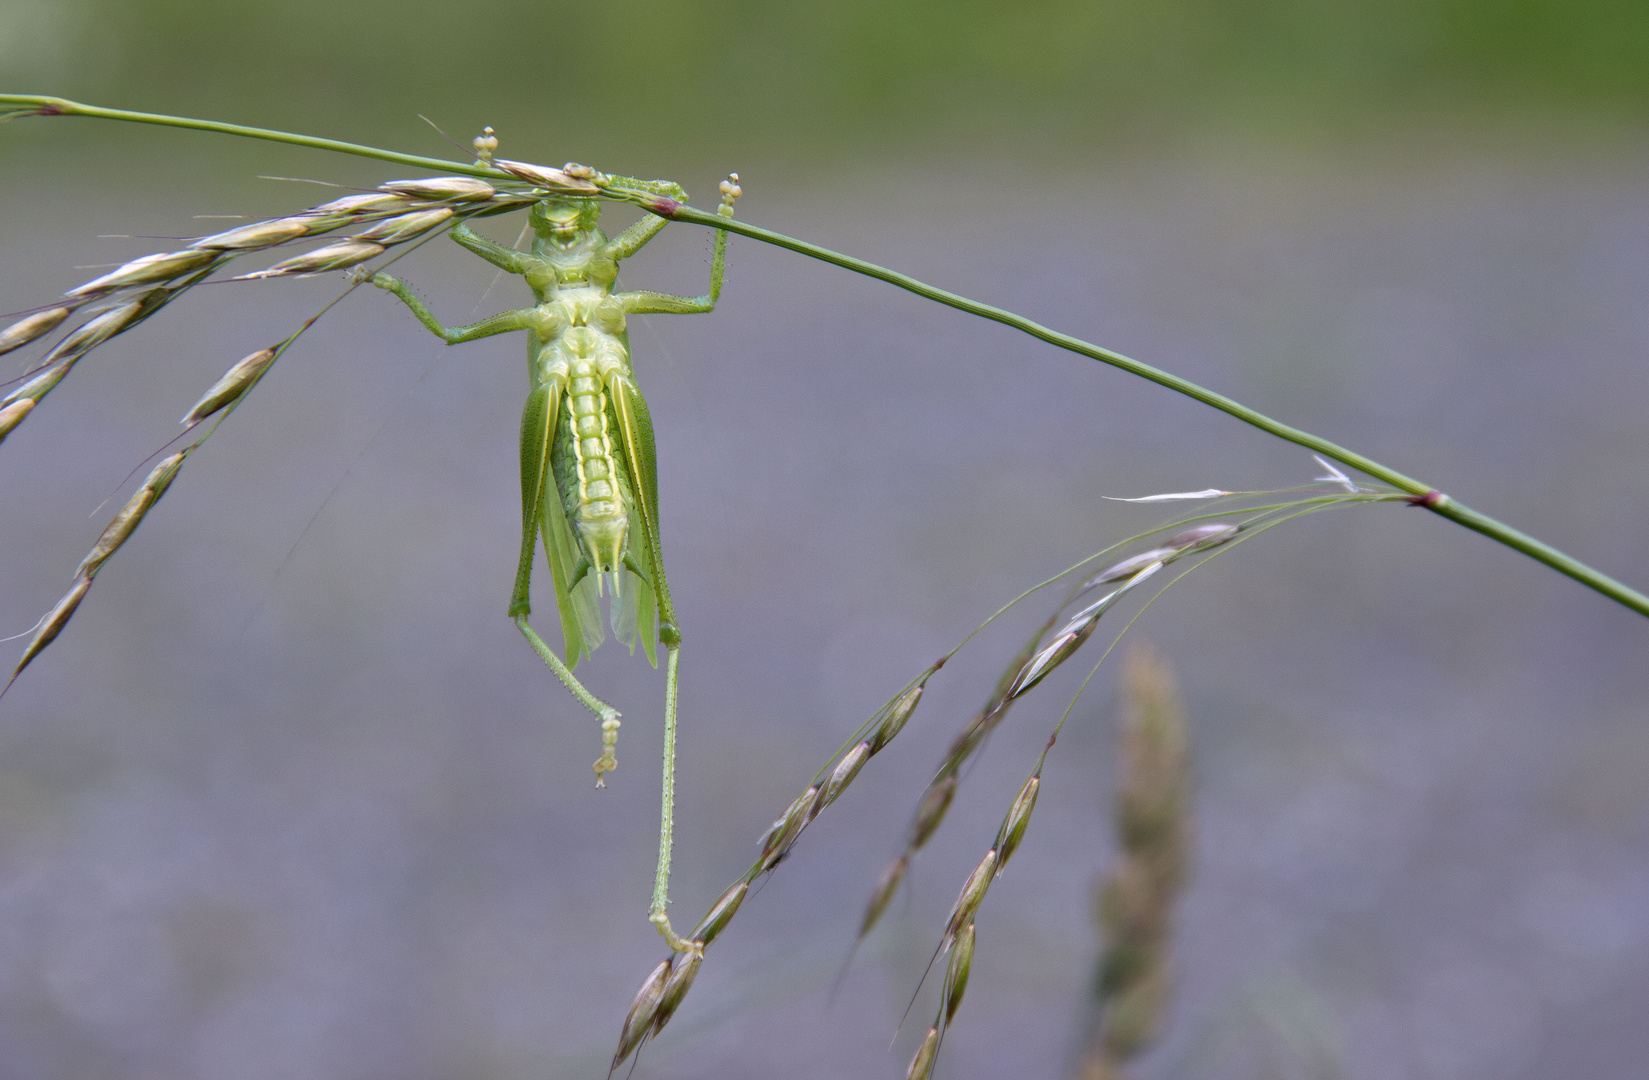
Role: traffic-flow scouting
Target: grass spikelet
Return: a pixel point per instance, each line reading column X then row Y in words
column 235, row 382
column 1203, row 537
column 638, row 1022
column 1130, row 566
column 783, row 832
column 404, row 227
column 13, row 414
column 1134, row 906
column 442, row 188
column 35, row 326
column 684, row 968
column 335, row 256
column 355, row 206
column 930, row 812
column 131, row 515
column 260, row 234
column 921, row 1066
column 842, row 775
column 883, row 894
column 972, row 895
column 36, row 388
column 898, row 714
column 49, row 627
column 149, row 270
column 550, row 179
column 956, row 972
column 95, row 331
column 720, row 914
column 1017, row 821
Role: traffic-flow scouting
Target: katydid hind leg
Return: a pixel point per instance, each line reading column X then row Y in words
column 537, row 434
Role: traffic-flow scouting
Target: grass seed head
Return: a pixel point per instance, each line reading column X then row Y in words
column 13, row 414
column 884, row 892
column 404, row 227
column 684, row 968
column 720, row 914
column 956, row 971
column 36, row 326
column 638, row 1022
column 1014, row 825
column 842, row 775
column 971, row 896
column 897, row 715
column 334, row 256
column 442, row 188
column 54, row 622
column 145, row 271
column 931, row 810
column 235, row 382
column 921, row 1066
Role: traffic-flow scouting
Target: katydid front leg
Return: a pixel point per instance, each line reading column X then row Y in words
column 655, row 303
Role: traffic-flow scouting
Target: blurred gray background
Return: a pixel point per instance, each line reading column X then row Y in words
column 290, row 798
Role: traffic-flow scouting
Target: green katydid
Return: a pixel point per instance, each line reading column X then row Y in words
column 589, row 479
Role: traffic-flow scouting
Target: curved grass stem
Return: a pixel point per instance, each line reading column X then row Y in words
column 1422, row 494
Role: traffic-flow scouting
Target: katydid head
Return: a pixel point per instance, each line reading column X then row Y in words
column 561, row 224
column 568, row 238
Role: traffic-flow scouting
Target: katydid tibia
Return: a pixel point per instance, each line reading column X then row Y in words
column 589, row 477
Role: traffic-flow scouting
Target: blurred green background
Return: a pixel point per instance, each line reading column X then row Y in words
column 290, row 798
column 804, row 83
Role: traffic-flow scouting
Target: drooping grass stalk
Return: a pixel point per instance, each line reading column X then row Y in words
column 661, row 198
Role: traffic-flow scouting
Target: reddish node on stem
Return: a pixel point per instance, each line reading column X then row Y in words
column 1431, row 500
column 664, row 206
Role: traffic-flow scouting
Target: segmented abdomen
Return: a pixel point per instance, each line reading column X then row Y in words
column 589, row 471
